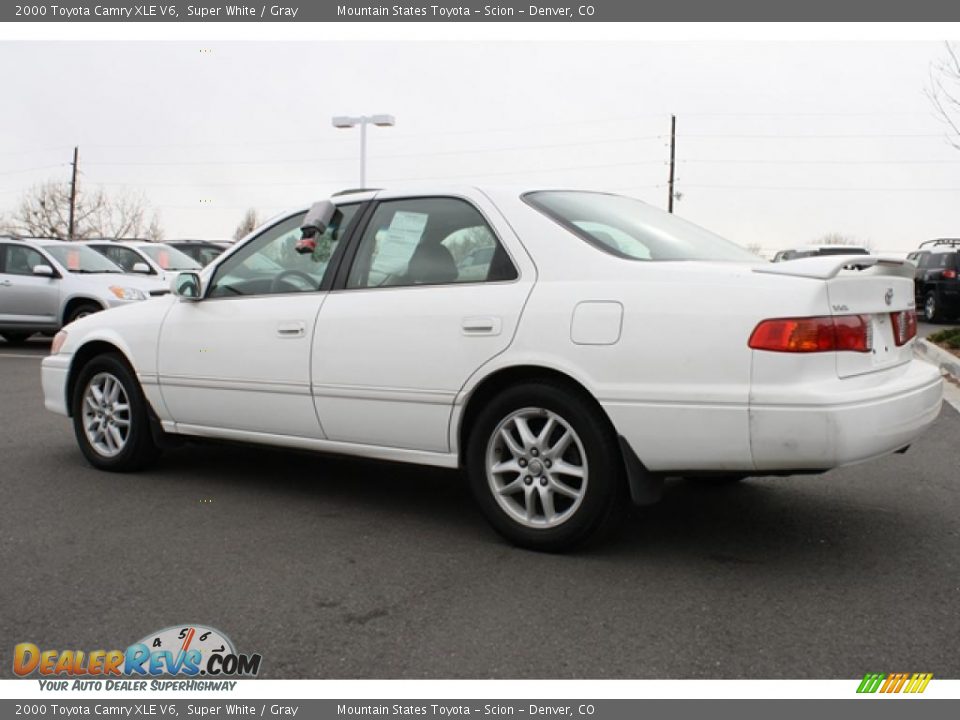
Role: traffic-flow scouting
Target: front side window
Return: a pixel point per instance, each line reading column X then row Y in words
column 20, row 260
column 632, row 229
column 428, row 241
column 269, row 264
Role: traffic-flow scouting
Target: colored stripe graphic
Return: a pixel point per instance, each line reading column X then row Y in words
column 913, row 683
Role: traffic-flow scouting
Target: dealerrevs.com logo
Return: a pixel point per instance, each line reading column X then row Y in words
column 179, row 651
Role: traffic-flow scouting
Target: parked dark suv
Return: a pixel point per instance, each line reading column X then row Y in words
column 937, row 279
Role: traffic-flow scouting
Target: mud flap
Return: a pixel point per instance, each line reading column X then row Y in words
column 646, row 488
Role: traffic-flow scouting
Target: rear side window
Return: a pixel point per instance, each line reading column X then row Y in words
column 629, row 228
column 428, row 241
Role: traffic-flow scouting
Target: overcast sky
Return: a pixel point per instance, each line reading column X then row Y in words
column 778, row 143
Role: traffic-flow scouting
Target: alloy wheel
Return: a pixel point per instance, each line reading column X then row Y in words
column 106, row 414
column 537, row 468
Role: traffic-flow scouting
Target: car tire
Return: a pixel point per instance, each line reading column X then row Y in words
column 517, row 478
column 15, row 338
column 111, row 418
column 82, row 310
column 931, row 308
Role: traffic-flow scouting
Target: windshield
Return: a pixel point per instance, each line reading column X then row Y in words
column 81, row 259
column 632, row 229
column 169, row 258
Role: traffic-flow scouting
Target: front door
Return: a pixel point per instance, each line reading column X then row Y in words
column 239, row 359
column 24, row 297
column 431, row 295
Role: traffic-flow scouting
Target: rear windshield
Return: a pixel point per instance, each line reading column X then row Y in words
column 632, row 229
column 169, row 258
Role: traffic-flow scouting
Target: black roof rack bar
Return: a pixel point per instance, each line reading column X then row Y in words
column 951, row 242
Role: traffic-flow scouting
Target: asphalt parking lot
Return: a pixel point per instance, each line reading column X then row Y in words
column 342, row 568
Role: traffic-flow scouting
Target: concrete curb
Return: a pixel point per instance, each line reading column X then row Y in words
column 947, row 362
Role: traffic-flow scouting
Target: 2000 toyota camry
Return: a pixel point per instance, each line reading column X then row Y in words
column 568, row 349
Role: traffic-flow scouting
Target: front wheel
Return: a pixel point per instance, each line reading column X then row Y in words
column 545, row 467
column 110, row 416
column 81, row 311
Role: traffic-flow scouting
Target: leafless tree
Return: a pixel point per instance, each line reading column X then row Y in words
column 44, row 211
column 249, row 223
column 944, row 90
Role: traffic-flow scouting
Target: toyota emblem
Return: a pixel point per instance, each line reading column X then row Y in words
column 888, row 298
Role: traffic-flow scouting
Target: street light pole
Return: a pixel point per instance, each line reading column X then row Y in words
column 347, row 121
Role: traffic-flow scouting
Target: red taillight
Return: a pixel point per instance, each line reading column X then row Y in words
column 815, row 334
column 949, row 274
column 904, row 326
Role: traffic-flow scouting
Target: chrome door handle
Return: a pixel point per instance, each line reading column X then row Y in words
column 481, row 325
column 291, row 329
column 6, row 283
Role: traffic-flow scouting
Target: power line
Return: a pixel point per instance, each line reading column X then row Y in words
column 736, row 161
column 33, row 169
column 822, row 188
column 344, row 158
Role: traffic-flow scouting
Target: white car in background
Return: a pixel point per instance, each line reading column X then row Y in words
column 45, row 284
column 148, row 258
column 601, row 346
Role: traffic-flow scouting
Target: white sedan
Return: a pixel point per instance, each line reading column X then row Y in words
column 567, row 349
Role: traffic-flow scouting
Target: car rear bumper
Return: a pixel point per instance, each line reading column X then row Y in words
column 811, row 425
column 864, row 418
column 53, row 377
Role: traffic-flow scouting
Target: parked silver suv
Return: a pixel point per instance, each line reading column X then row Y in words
column 45, row 284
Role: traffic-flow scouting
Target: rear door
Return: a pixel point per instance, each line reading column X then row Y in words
column 420, row 307
column 25, row 297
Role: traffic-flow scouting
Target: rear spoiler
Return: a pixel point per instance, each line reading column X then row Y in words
column 825, row 267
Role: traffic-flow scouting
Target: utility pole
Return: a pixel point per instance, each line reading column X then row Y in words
column 73, row 193
column 673, row 160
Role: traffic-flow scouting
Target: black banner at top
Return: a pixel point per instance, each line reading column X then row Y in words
column 467, row 11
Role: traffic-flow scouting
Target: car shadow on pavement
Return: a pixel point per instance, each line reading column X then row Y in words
column 741, row 526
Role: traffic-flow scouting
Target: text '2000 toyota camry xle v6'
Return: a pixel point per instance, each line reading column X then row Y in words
column 568, row 349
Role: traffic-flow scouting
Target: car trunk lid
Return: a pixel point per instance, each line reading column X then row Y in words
column 870, row 286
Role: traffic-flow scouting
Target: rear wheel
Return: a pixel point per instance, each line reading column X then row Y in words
column 15, row 338
column 545, row 467
column 931, row 308
column 111, row 417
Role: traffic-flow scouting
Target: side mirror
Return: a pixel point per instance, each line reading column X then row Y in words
column 141, row 267
column 187, row 286
column 43, row 271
